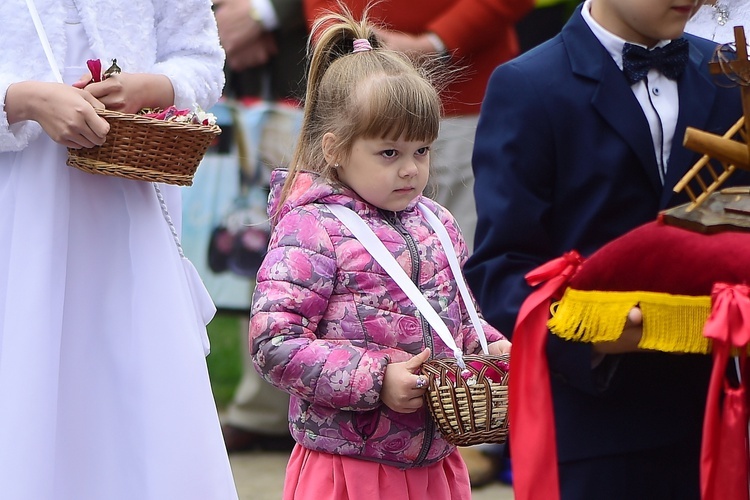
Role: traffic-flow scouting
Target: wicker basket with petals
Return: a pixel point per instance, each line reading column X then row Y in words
column 147, row 149
column 471, row 407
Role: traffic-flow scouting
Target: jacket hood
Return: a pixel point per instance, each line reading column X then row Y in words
column 310, row 187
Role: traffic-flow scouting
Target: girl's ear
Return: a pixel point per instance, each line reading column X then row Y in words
column 329, row 147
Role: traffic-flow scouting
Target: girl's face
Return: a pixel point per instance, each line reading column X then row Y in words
column 386, row 173
column 644, row 21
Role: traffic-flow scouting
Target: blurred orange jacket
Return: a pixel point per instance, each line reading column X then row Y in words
column 479, row 34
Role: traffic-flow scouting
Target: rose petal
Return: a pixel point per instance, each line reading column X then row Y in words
column 95, row 68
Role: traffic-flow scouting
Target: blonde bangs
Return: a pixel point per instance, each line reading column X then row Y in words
column 397, row 106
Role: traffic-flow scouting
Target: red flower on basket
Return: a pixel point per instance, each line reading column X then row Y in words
column 95, row 68
column 169, row 114
column 495, row 373
column 172, row 114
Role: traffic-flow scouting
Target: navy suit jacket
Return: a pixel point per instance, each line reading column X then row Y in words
column 564, row 160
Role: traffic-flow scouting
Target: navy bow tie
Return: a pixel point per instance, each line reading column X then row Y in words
column 669, row 60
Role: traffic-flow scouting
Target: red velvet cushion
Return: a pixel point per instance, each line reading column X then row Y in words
column 657, row 257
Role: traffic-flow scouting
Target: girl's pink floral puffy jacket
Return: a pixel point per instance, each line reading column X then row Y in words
column 327, row 319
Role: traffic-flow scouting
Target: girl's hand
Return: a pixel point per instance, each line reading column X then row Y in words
column 499, row 347
column 403, row 389
column 65, row 113
column 131, row 92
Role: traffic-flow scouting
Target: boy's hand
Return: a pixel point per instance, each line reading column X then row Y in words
column 630, row 338
column 403, row 388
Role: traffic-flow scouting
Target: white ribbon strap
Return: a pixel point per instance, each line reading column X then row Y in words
column 458, row 275
column 43, row 38
column 380, row 253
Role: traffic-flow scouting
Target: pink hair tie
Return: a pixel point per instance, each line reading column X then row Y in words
column 361, row 45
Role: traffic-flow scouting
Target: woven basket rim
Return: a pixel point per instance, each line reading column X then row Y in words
column 146, row 149
column 145, row 120
column 454, row 403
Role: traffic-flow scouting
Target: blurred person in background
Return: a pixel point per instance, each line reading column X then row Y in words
column 265, row 45
column 544, row 22
column 474, row 36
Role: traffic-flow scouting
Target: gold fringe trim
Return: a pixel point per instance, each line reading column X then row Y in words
column 671, row 323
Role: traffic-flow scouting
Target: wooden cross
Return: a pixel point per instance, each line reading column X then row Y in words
column 730, row 153
column 741, row 68
column 722, row 155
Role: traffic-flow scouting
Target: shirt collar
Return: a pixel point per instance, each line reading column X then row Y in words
column 611, row 42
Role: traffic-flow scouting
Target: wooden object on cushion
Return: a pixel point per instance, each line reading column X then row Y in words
column 728, row 210
column 722, row 155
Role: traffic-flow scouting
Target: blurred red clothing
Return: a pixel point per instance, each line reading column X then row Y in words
column 479, row 34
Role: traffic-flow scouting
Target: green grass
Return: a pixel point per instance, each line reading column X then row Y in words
column 225, row 360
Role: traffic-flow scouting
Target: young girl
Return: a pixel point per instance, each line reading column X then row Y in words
column 104, row 392
column 328, row 324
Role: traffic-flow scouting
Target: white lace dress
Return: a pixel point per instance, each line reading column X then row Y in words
column 717, row 22
column 104, row 391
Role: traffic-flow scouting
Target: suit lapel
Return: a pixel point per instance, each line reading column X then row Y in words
column 693, row 113
column 624, row 114
column 613, row 98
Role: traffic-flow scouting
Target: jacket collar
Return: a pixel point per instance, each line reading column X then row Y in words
column 615, row 101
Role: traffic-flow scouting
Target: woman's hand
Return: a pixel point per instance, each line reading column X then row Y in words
column 246, row 41
column 403, row 388
column 630, row 338
column 412, row 45
column 499, row 347
column 130, row 92
column 66, row 114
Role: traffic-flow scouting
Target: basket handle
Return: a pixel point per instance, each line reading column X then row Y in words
column 380, row 253
column 168, row 219
column 458, row 275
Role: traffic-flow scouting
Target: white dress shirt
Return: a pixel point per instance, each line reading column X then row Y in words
column 657, row 94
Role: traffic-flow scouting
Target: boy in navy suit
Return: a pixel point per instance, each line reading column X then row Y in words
column 572, row 151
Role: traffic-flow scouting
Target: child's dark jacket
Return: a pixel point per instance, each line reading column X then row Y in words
column 564, row 160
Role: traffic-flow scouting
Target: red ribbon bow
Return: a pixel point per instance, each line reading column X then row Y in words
column 532, row 427
column 724, row 450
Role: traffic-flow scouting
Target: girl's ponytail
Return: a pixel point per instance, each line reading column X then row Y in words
column 332, row 36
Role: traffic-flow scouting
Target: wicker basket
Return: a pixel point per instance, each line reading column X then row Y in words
column 146, row 149
column 471, row 411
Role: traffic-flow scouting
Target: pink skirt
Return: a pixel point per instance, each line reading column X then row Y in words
column 314, row 475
